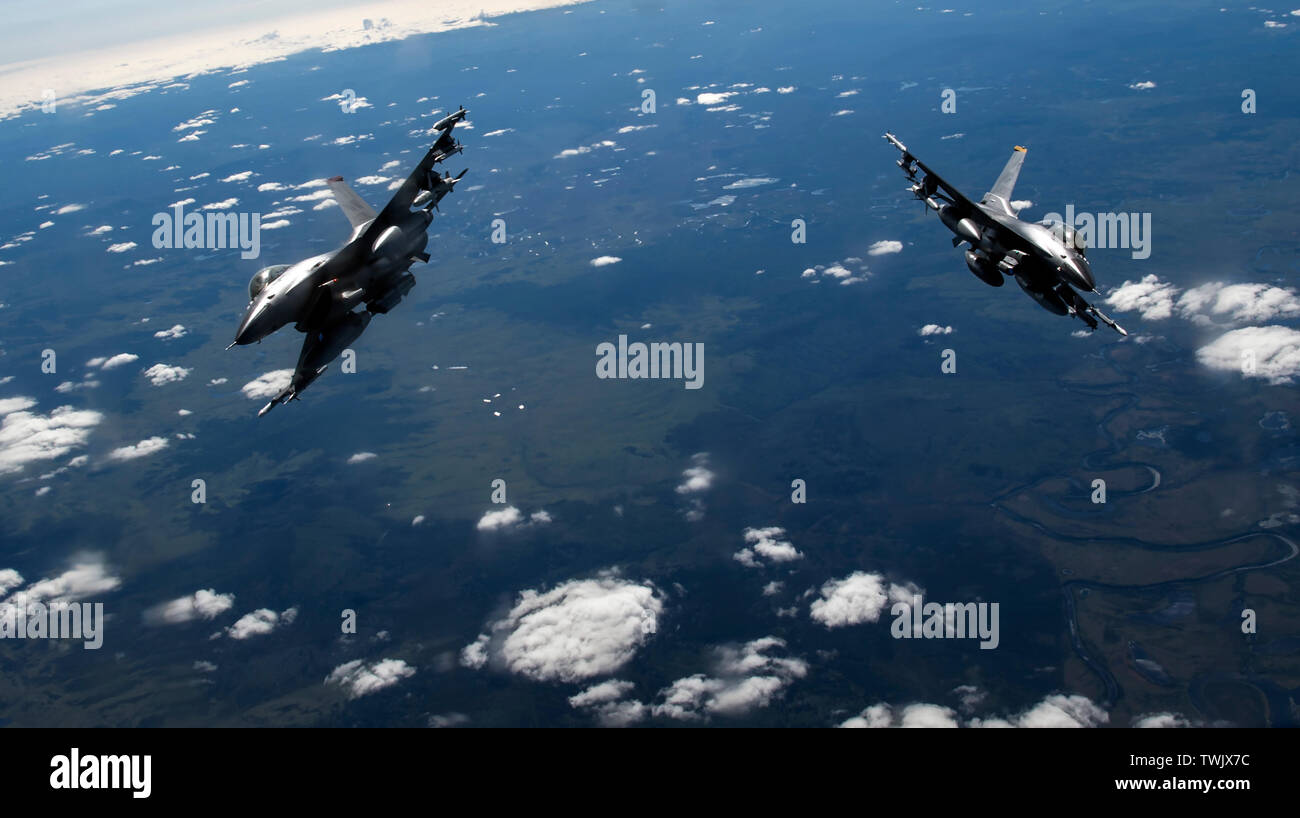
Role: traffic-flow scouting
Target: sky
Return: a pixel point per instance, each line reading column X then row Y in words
column 38, row 30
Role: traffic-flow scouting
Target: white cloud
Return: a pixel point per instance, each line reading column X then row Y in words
column 604, row 261
column 697, row 478
column 121, row 247
column 860, row 597
column 744, row 678
column 934, row 329
column 607, row 702
column 1056, row 710
column 177, row 331
column 1271, row 352
column 268, row 384
column 260, row 622
column 224, row 204
column 1145, row 85
column 713, row 98
column 885, row 247
column 135, row 451
column 913, row 715
column 161, row 374
column 9, row 579
column 1162, row 720
column 88, row 576
column 114, row 362
column 1239, row 302
column 1150, row 297
column 202, row 604
column 360, row 679
column 361, row 457
column 839, row 272
column 28, row 437
column 577, row 630
column 584, row 149
column 766, row 544
column 745, row 184
column 603, row 693
column 69, row 208
column 511, row 518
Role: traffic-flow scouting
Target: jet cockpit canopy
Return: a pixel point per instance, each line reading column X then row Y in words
column 263, row 277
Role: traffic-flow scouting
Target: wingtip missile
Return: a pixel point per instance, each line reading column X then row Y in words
column 451, row 119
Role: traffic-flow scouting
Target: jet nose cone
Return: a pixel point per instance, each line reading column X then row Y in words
column 1076, row 272
column 253, row 326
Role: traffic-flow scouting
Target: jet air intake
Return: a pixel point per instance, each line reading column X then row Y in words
column 964, row 228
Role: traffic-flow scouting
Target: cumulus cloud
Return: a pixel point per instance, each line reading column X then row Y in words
column 1150, row 297
column 202, row 604
column 161, row 374
column 135, row 451
column 361, row 457
column 361, row 679
column 605, row 261
column 1208, row 304
column 913, row 715
column 714, row 98
column 849, row 271
column 765, row 544
column 1239, row 302
column 1162, row 720
column 606, row 701
column 28, row 437
column 511, row 518
column 1056, row 710
column 696, row 479
column 114, row 362
column 934, row 329
column 260, row 622
column 886, row 247
column 88, row 576
column 1272, row 353
column 268, row 384
column 579, row 629
column 858, row 598
column 584, row 149
column 744, row 678
column 177, row 331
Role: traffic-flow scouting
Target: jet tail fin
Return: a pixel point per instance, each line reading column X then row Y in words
column 1007, row 178
column 353, row 206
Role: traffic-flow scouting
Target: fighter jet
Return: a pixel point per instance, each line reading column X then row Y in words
column 319, row 295
column 1047, row 260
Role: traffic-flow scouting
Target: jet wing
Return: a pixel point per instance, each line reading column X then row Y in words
column 354, row 207
column 420, row 178
column 934, row 181
column 354, row 253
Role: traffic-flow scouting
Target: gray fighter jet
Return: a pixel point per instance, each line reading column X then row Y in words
column 318, row 295
column 1047, row 260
